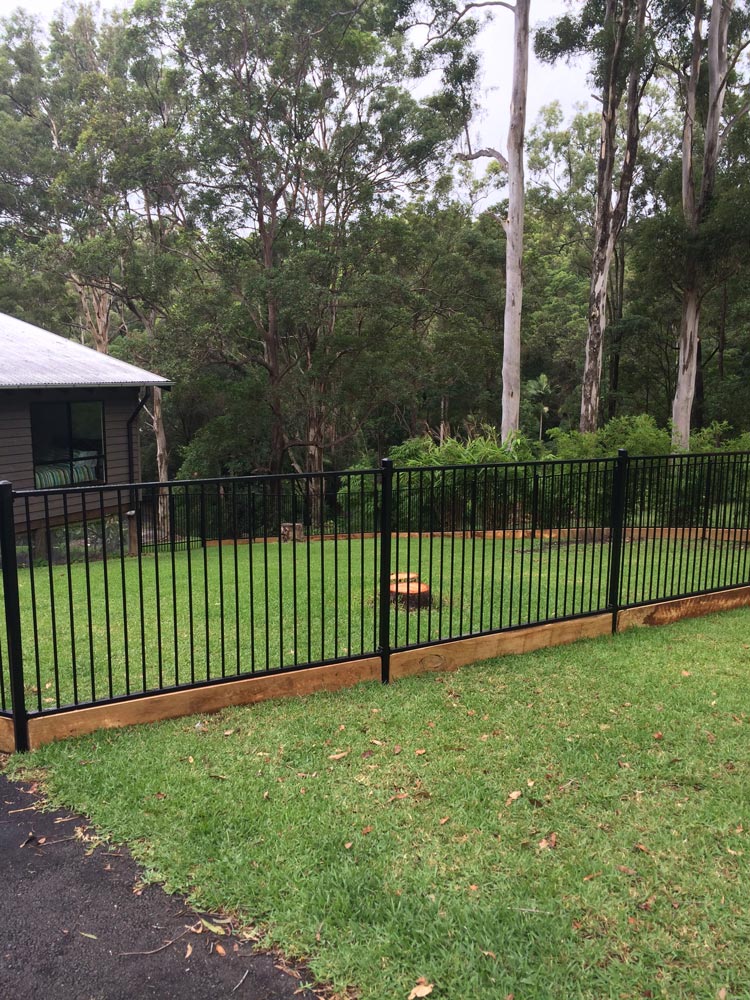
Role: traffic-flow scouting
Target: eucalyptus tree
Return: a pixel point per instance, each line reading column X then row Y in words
column 303, row 125
column 443, row 19
column 706, row 65
column 615, row 33
column 93, row 188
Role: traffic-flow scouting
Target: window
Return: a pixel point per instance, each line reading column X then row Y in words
column 68, row 443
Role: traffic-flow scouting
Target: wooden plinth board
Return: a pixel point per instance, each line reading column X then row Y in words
column 7, row 735
column 667, row 612
column 452, row 655
column 447, row 656
column 155, row 708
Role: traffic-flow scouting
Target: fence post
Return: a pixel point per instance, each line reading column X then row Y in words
column 13, row 616
column 203, row 516
column 616, row 533
column 707, row 499
column 386, row 479
column 534, row 504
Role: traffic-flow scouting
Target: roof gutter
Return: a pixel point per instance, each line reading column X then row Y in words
column 28, row 386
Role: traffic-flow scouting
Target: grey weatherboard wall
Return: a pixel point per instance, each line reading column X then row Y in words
column 16, row 455
column 37, row 366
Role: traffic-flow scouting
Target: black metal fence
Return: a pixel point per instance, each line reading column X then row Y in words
column 112, row 592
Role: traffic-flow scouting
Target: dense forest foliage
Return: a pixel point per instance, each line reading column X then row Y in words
column 270, row 202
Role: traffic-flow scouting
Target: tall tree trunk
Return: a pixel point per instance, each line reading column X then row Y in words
column 162, row 460
column 616, row 310
column 686, row 368
column 592, row 368
column 696, row 201
column 444, row 429
column 514, row 229
column 699, row 400
column 156, row 414
column 277, row 443
column 722, row 331
column 157, row 423
column 610, row 216
column 96, row 306
column 314, row 462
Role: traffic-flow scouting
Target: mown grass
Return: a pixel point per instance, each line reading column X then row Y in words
column 378, row 832
column 130, row 625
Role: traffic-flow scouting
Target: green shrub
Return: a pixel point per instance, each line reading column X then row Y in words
column 639, row 435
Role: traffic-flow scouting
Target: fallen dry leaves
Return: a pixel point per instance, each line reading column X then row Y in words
column 422, row 989
column 513, row 797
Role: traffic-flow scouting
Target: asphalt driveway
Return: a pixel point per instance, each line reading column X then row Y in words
column 76, row 925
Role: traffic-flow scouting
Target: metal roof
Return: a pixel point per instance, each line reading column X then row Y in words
column 32, row 358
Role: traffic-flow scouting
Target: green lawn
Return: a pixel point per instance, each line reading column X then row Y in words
column 140, row 624
column 570, row 823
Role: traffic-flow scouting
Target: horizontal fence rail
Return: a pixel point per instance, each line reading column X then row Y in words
column 116, row 591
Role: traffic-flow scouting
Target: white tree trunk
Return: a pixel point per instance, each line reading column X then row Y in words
column 96, row 307
column 157, row 420
column 162, row 456
column 592, row 368
column 514, row 229
column 686, row 370
column 610, row 215
column 695, row 204
column 444, row 430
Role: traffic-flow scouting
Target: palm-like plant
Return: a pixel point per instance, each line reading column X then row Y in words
column 539, row 392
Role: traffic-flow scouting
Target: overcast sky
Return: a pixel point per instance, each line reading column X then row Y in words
column 563, row 83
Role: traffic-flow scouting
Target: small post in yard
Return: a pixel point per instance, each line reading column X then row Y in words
column 534, row 504
column 707, row 500
column 617, row 528
column 386, row 479
column 13, row 616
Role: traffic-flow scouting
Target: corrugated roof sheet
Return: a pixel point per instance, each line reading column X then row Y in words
column 32, row 358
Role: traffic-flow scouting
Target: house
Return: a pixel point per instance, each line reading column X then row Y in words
column 68, row 416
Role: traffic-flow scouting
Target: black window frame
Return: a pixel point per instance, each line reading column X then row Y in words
column 70, row 459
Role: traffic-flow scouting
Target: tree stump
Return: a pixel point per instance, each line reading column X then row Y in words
column 292, row 531
column 411, row 594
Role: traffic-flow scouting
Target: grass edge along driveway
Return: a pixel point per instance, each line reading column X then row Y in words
column 569, row 823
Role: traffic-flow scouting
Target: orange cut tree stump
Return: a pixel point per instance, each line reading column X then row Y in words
column 411, row 593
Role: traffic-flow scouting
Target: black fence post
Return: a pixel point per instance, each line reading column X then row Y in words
column 616, row 533
column 202, row 514
column 386, row 506
column 534, row 504
column 707, row 499
column 13, row 616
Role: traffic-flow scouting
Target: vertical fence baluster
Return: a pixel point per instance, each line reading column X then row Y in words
column 386, row 481
column 619, row 487
column 11, row 597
